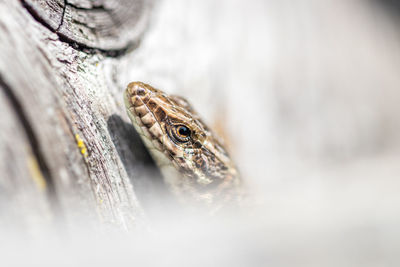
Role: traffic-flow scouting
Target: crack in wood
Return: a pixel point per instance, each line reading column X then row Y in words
column 93, row 8
column 36, row 15
column 115, row 53
column 62, row 16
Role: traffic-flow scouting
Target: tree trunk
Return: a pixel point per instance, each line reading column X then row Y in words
column 61, row 129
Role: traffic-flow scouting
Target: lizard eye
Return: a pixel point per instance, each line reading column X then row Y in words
column 182, row 133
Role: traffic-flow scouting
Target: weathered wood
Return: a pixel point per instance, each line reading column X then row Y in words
column 58, row 100
column 22, row 201
column 110, row 26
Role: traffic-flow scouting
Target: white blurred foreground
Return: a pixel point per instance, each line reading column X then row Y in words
column 351, row 226
column 312, row 94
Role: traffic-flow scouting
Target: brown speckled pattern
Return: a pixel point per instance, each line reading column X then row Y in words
column 206, row 170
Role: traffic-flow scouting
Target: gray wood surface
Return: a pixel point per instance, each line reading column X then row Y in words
column 60, row 106
column 109, row 26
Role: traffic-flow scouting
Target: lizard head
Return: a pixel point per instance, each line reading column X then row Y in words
column 191, row 157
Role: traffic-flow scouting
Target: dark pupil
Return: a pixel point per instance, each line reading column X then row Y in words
column 183, row 131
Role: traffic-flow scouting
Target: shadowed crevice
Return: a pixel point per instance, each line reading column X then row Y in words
column 143, row 173
column 33, row 141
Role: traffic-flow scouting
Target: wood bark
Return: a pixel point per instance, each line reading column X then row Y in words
column 62, row 112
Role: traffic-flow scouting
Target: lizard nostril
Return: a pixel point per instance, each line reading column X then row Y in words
column 140, row 91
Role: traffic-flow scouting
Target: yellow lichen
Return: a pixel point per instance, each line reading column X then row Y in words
column 81, row 145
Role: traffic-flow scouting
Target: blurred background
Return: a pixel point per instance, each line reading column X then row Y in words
column 306, row 95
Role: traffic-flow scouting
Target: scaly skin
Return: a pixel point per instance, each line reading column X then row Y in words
column 192, row 160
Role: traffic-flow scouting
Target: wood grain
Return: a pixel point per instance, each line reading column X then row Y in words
column 57, row 101
column 108, row 26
